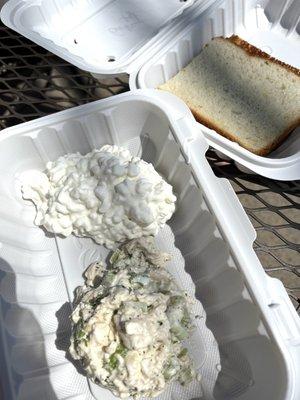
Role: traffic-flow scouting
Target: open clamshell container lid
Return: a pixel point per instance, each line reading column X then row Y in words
column 102, row 37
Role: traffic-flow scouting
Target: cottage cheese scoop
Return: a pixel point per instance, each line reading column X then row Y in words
column 129, row 323
column 107, row 195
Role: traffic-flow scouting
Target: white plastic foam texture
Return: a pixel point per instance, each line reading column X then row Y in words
column 154, row 41
column 73, row 28
column 271, row 25
column 248, row 334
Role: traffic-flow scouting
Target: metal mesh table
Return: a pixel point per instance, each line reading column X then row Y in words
column 34, row 83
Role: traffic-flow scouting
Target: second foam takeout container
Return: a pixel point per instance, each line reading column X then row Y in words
column 152, row 40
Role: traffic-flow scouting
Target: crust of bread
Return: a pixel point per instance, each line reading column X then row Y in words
column 255, row 52
column 262, row 151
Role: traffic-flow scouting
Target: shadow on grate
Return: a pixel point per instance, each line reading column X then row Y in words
column 34, row 83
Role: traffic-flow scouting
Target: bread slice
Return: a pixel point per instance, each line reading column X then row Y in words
column 241, row 92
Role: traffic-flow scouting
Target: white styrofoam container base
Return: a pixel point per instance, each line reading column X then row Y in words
column 271, row 25
column 249, row 333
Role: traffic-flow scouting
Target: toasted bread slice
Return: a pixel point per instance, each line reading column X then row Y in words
column 242, row 93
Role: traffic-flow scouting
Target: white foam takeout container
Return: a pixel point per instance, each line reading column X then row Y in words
column 152, row 40
column 247, row 342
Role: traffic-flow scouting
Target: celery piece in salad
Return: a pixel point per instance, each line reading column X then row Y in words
column 113, row 359
column 179, row 332
column 121, row 350
column 186, row 376
column 115, row 256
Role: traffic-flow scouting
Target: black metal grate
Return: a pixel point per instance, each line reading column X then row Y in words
column 274, row 210
column 34, row 83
